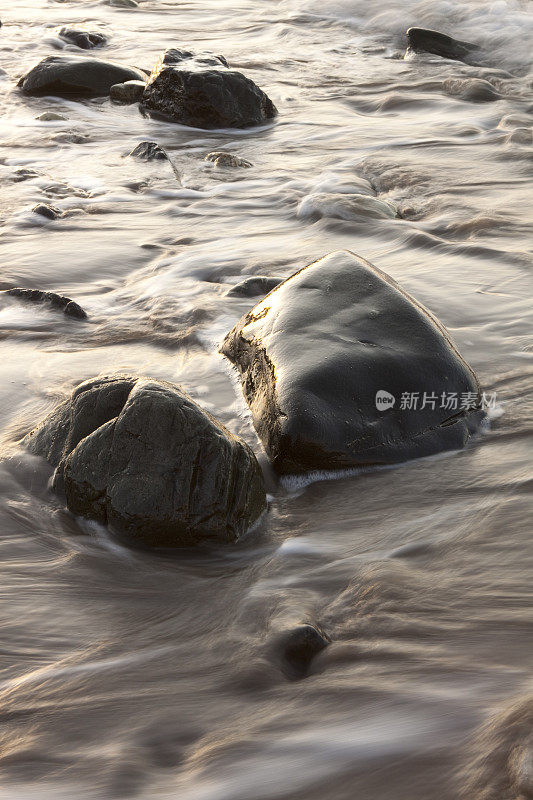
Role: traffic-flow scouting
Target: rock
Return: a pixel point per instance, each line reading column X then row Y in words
column 423, row 40
column 72, row 76
column 475, row 90
column 253, row 286
column 24, row 174
column 122, row 3
column 221, row 158
column 141, row 456
column 64, row 304
column 298, row 647
column 50, row 116
column 44, row 210
column 85, row 39
column 174, row 55
column 317, row 355
column 188, row 90
column 344, row 206
column 128, row 92
column 149, row 151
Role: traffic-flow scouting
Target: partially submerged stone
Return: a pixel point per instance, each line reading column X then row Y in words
column 221, row 158
column 254, row 285
column 200, row 91
column 298, row 647
column 142, row 457
column 73, row 76
column 82, row 37
column 149, row 151
column 424, row 40
column 318, row 354
column 46, row 210
column 122, row 3
column 56, row 301
column 51, row 116
column 128, row 92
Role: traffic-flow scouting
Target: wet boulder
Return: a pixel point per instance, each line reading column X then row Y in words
column 424, row 40
column 142, row 457
column 56, row 301
column 329, row 361
column 83, row 38
column 201, row 91
column 75, row 76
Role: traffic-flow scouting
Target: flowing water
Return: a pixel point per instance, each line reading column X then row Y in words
column 142, row 675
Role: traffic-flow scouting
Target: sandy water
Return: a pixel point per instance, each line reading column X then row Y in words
column 140, row 675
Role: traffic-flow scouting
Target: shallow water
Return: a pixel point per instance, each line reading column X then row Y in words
column 130, row 674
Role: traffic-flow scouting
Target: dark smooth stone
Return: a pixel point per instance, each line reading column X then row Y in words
column 149, row 151
column 423, row 40
column 65, row 304
column 85, row 39
column 141, row 456
column 185, row 89
column 71, row 76
column 298, row 647
column 44, row 210
column 318, row 351
column 253, row 286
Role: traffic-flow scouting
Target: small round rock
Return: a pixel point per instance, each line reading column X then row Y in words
column 128, row 92
column 221, row 158
column 50, row 116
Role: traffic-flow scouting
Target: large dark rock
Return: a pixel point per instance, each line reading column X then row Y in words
column 202, row 92
column 141, row 456
column 56, row 301
column 315, row 353
column 83, row 38
column 72, row 76
column 423, row 40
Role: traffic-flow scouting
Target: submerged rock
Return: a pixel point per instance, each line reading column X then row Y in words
column 128, row 92
column 202, row 92
column 423, row 40
column 298, row 647
column 80, row 37
column 475, row 90
column 344, row 206
column 72, row 76
column 24, row 174
column 253, row 286
column 221, row 158
column 122, row 3
column 45, row 210
column 149, row 151
column 320, row 352
column 51, row 116
column 64, row 304
column 141, row 456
